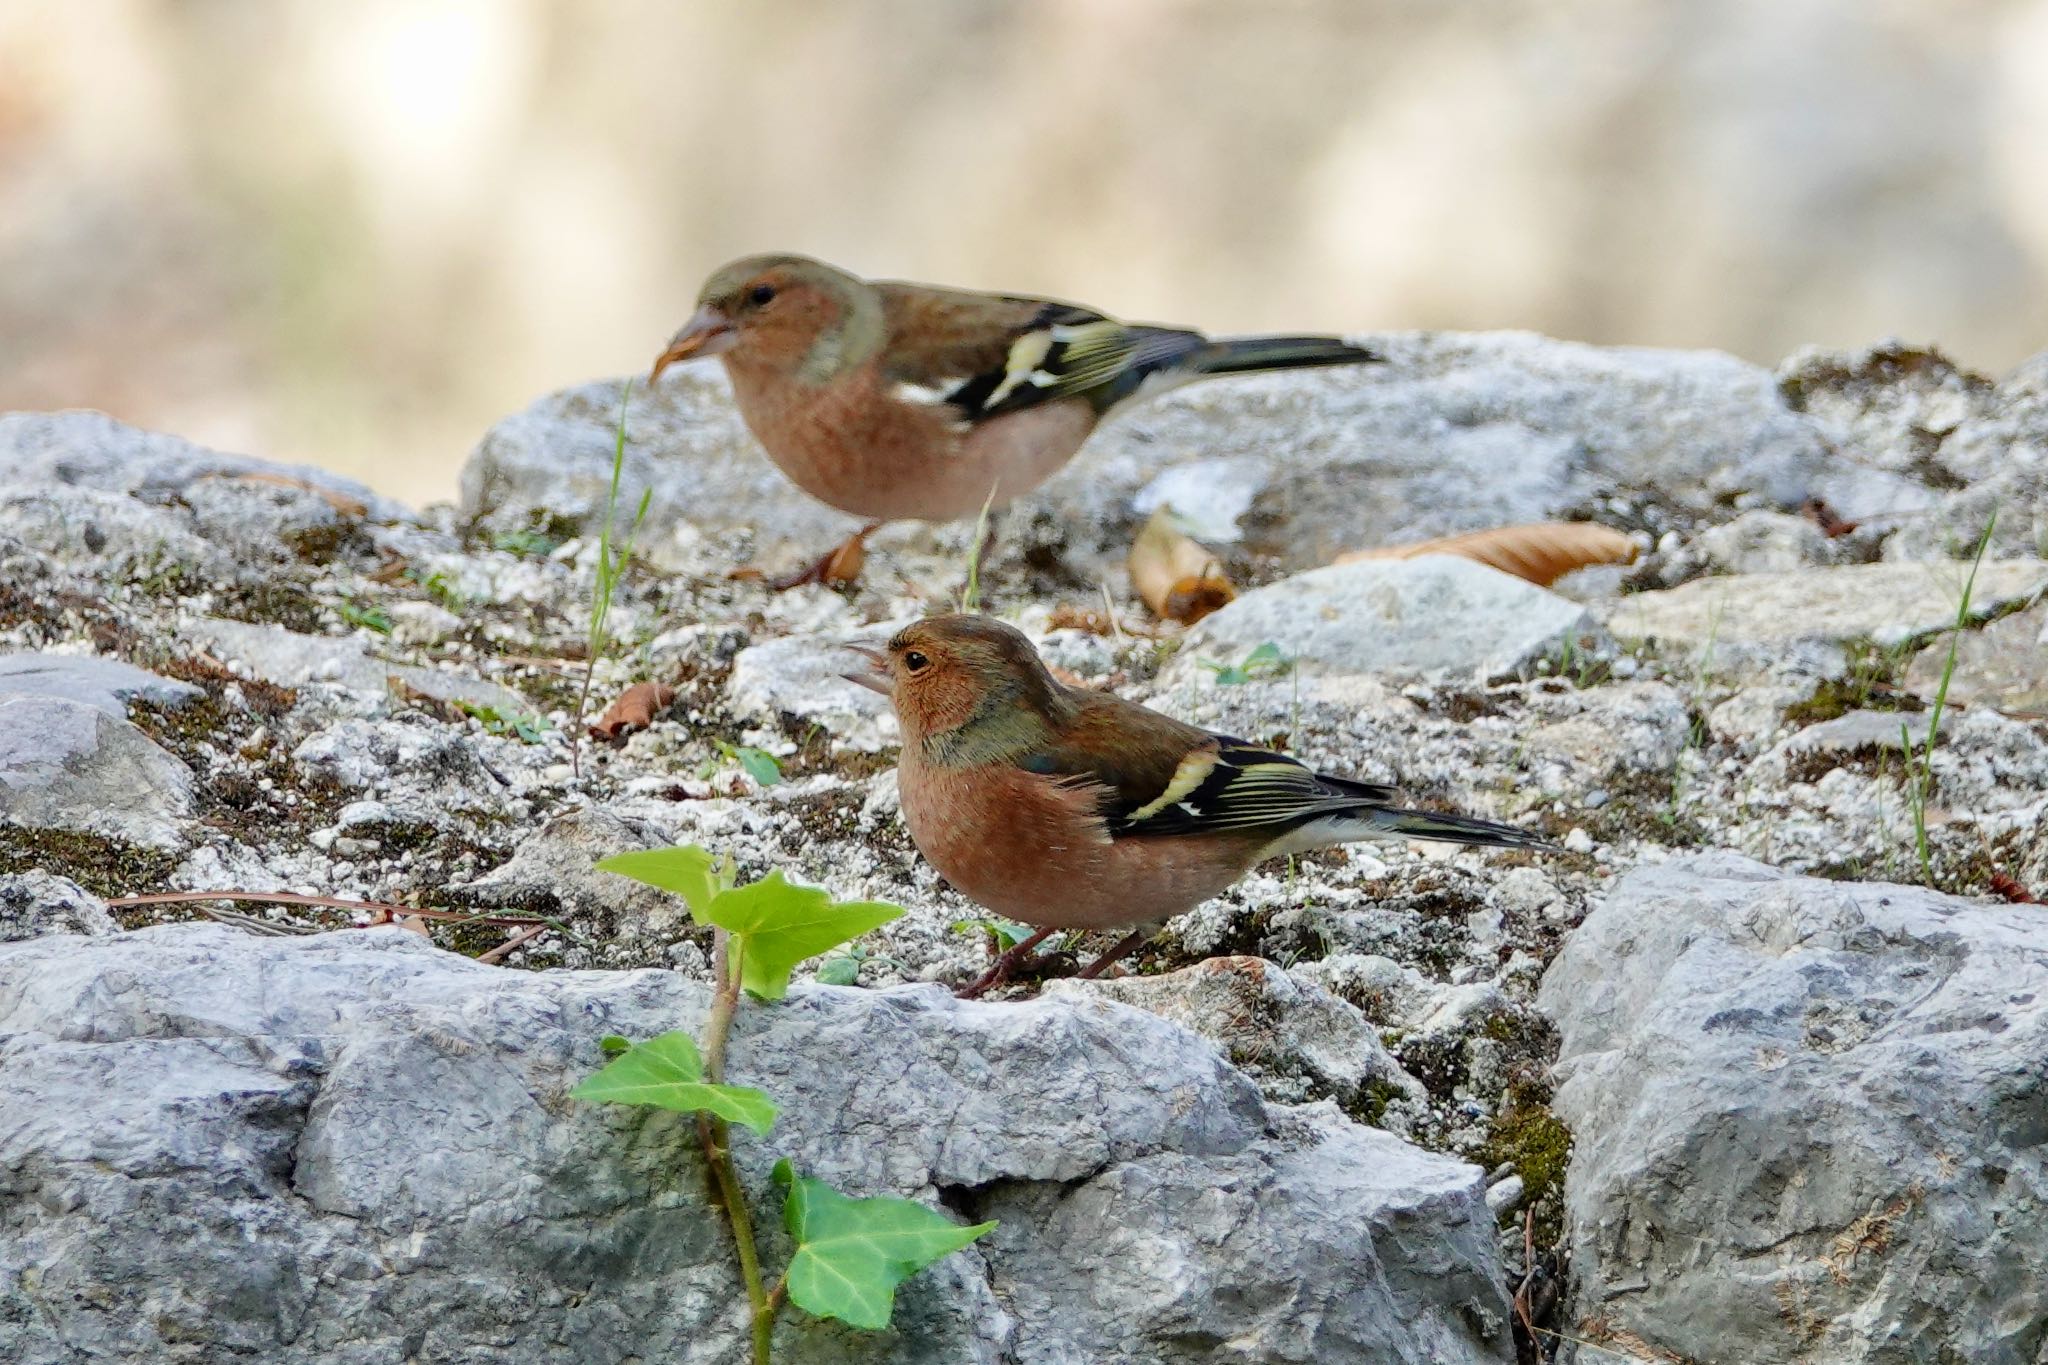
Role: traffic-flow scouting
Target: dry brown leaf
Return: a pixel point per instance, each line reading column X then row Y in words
column 635, row 709
column 2010, row 889
column 1542, row 553
column 384, row 915
column 1176, row 577
column 340, row 502
column 1832, row 524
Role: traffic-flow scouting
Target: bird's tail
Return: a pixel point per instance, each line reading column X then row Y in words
column 1369, row 821
column 1238, row 355
column 1456, row 829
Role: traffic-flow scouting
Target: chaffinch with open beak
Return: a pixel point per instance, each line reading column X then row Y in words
column 893, row 401
column 1071, row 809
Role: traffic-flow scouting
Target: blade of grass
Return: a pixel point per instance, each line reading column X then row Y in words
column 611, row 568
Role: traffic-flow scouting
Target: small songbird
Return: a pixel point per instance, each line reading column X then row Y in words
column 892, row 401
column 1072, row 809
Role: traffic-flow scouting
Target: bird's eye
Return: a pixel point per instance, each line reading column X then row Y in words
column 761, row 294
column 916, row 662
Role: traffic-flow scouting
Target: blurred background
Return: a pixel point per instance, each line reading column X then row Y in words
column 354, row 234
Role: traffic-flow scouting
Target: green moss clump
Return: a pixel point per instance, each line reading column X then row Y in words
column 109, row 868
column 1537, row 1144
column 1370, row 1105
column 1871, row 682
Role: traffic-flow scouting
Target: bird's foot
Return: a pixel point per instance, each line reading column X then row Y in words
column 997, row 974
column 839, row 565
column 1125, row 946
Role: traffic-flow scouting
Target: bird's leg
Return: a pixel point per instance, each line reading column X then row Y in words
column 1133, row 940
column 1004, row 965
column 840, row 564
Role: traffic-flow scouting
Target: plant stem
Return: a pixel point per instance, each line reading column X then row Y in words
column 610, row 567
column 1923, row 781
column 716, row 1139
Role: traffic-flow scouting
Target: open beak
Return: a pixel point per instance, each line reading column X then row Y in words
column 708, row 332
column 875, row 679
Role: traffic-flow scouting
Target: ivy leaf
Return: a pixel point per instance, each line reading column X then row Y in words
column 852, row 1253
column 758, row 764
column 1008, row 933
column 776, row 925
column 667, row 1073
column 688, row 872
column 843, row 970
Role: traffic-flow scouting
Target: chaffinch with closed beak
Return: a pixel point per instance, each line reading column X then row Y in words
column 892, row 401
column 1071, row 809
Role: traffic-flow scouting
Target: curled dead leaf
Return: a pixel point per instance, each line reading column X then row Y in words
column 635, row 709
column 2010, row 889
column 1542, row 552
column 1832, row 524
column 1179, row 579
column 385, row 914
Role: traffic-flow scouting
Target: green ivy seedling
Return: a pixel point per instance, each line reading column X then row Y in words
column 1007, row 933
column 850, row 1253
column 1264, row 662
column 373, row 618
column 667, row 1073
column 758, row 764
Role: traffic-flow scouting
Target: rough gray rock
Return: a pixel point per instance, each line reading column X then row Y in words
column 108, row 684
column 801, row 676
column 1296, row 1039
column 1758, row 541
column 355, row 1148
column 1438, row 615
column 90, row 450
column 439, row 769
column 290, row 659
column 120, row 505
column 2003, row 665
column 1722, row 622
column 554, row 872
column 2000, row 453
column 1071, row 1262
column 69, row 765
column 36, row 903
column 1807, row 1116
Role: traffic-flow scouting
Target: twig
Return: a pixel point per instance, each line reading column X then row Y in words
column 253, row 925
column 338, row 903
column 715, row 1137
column 524, row 936
column 1528, row 1272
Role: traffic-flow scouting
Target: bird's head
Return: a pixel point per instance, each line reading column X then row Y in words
column 965, row 688
column 783, row 312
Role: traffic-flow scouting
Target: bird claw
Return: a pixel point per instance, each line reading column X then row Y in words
column 837, row 566
column 1000, row 970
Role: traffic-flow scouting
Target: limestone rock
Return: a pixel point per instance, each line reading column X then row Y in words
column 1297, row 1040
column 33, row 903
column 69, row 765
column 1438, row 615
column 1806, row 1117
column 1727, row 622
column 108, row 684
column 352, row 1147
column 291, row 659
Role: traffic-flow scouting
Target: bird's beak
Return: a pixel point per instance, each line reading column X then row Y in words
column 708, row 332
column 875, row 679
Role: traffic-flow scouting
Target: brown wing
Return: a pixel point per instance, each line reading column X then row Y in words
column 1163, row 777
column 988, row 354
